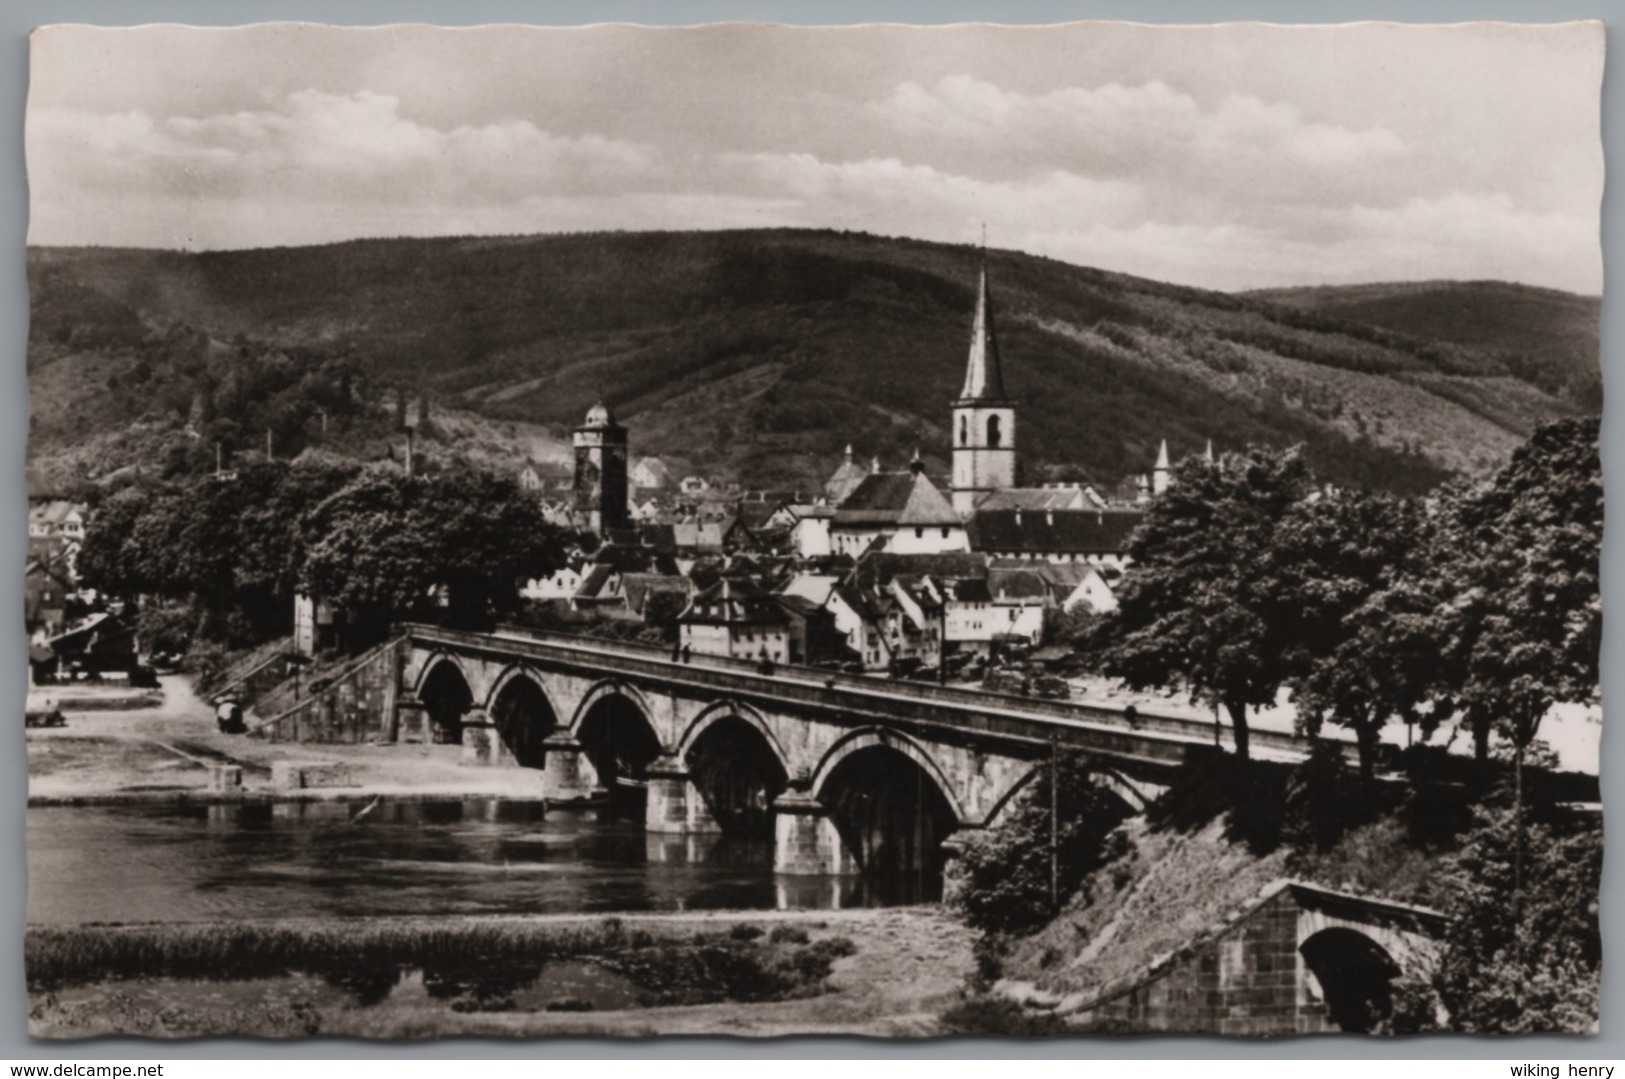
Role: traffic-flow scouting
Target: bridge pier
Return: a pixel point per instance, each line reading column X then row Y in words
column 805, row 840
column 675, row 805
column 567, row 774
column 482, row 742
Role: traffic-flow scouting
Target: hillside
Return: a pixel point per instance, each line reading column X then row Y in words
column 1547, row 337
column 753, row 355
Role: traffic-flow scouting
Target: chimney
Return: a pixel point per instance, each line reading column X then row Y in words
column 1018, row 517
column 916, row 466
column 874, row 464
column 1049, row 518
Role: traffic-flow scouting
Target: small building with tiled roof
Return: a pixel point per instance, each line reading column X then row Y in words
column 651, row 473
column 735, row 618
column 858, row 618
column 1097, row 536
column 656, row 598
column 845, row 480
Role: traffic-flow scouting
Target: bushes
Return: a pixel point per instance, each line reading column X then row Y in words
column 1002, row 881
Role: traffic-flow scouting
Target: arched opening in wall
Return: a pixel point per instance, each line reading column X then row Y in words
column 964, row 431
column 523, row 717
column 446, row 697
column 738, row 775
column 1356, row 977
column 892, row 818
column 994, row 434
column 621, row 744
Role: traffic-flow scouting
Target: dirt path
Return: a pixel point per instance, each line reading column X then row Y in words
column 166, row 751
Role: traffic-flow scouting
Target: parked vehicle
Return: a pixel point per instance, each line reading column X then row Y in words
column 44, row 717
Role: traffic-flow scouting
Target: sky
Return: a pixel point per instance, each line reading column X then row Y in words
column 1229, row 157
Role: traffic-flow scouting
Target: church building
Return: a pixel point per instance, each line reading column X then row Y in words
column 986, row 510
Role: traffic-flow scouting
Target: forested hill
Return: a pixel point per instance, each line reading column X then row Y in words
column 1546, row 337
column 749, row 354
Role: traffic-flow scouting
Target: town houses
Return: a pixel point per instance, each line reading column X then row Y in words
column 880, row 569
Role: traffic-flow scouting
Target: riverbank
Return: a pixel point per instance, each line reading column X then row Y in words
column 880, row 973
column 165, row 752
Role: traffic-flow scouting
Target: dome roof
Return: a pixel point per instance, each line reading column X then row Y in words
column 599, row 416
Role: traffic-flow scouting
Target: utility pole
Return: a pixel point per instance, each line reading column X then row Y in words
column 269, row 455
column 218, row 458
column 1054, row 823
column 409, row 433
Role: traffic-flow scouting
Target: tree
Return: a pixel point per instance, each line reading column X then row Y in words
column 1514, row 967
column 1365, row 647
column 450, row 547
column 1003, row 876
column 1525, row 613
column 1199, row 603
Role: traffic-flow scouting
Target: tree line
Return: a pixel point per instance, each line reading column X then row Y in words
column 219, row 559
column 1478, row 603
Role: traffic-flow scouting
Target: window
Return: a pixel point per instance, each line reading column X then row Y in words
column 993, row 435
column 944, row 533
column 919, row 532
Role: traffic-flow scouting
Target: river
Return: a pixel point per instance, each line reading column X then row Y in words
column 169, row 862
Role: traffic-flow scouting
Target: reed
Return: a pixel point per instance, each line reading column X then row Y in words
column 64, row 956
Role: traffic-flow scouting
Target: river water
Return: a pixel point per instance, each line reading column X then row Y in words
column 143, row 863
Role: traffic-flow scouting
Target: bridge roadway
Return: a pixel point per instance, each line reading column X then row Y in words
column 844, row 772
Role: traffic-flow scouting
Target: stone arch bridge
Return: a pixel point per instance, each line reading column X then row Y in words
column 843, row 773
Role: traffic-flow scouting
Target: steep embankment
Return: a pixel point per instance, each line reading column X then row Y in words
column 751, row 354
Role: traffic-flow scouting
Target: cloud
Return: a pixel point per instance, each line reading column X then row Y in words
column 1239, row 147
column 1231, row 191
column 310, row 152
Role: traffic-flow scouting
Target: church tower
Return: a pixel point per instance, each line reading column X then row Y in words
column 600, row 480
column 984, row 430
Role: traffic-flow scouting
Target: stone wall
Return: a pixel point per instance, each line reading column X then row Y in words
column 1247, row 980
column 359, row 706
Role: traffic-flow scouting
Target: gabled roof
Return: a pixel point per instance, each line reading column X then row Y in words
column 1099, row 531
column 862, row 603
column 1007, row 584
column 734, row 601
column 597, row 579
column 1035, row 498
column 877, row 569
column 896, row 498
column 656, row 468
column 639, row 586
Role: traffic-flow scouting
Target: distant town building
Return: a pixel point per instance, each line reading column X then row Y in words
column 651, row 473
column 600, row 476
column 734, row 618
column 903, row 510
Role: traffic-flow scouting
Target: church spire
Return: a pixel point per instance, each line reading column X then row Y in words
column 984, row 380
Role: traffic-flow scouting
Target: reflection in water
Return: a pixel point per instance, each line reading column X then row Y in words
column 471, row 856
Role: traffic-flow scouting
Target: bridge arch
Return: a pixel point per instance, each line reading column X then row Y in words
column 522, row 711
column 737, row 766
column 1355, row 975
column 868, row 738
column 1106, row 777
column 722, row 710
column 890, row 805
column 609, row 688
column 446, row 691
column 616, row 730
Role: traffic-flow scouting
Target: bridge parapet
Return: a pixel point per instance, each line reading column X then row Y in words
column 1154, row 744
